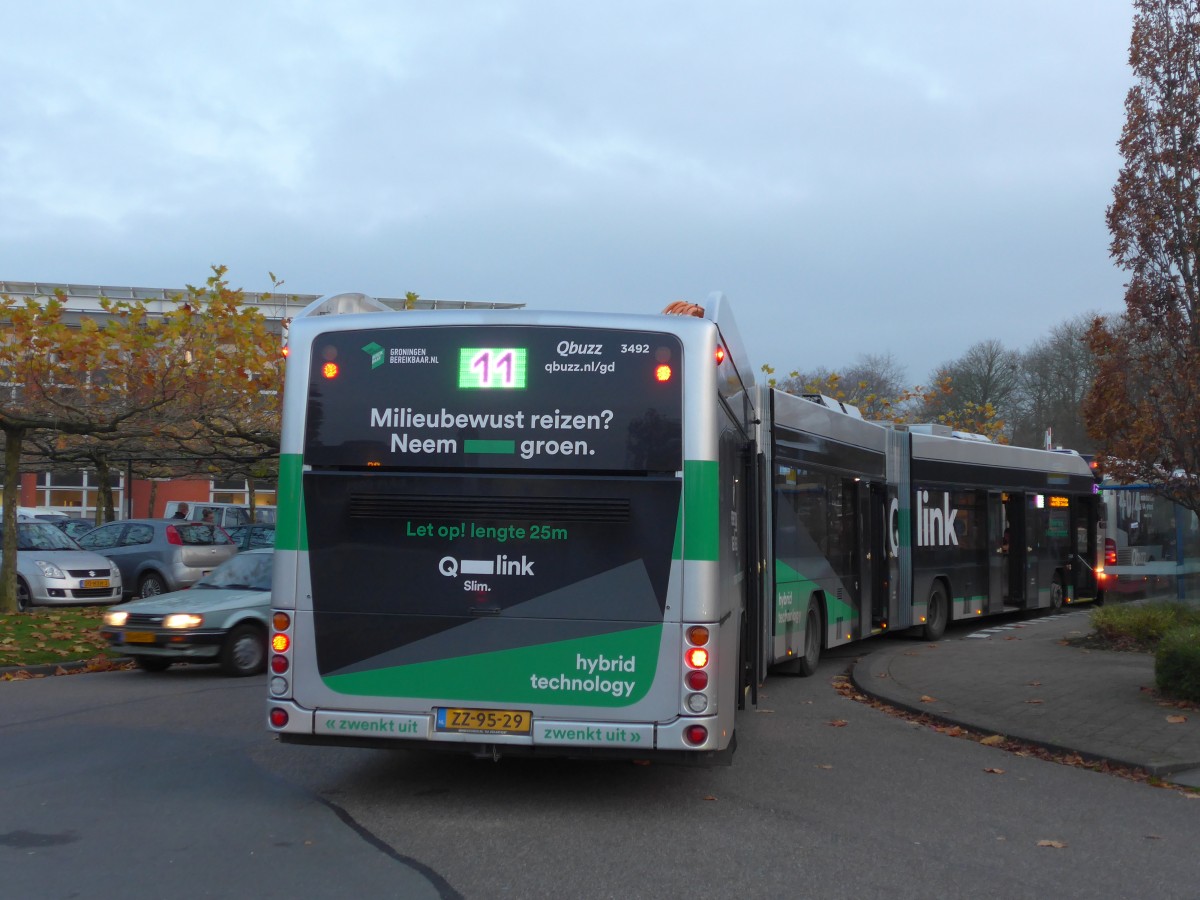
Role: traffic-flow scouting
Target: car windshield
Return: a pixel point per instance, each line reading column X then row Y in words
column 246, row 572
column 38, row 536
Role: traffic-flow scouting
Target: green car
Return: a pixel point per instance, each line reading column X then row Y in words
column 221, row 619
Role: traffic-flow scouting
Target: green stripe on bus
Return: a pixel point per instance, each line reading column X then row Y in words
column 699, row 525
column 291, row 532
column 607, row 670
column 489, row 446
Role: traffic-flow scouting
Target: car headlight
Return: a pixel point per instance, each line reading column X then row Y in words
column 49, row 569
column 116, row 619
column 183, row 620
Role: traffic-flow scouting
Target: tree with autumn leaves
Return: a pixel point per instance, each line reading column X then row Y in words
column 201, row 376
column 1144, row 406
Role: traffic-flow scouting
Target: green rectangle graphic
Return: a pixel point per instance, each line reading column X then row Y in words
column 489, row 446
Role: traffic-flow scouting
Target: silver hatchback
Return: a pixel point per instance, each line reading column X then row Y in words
column 159, row 555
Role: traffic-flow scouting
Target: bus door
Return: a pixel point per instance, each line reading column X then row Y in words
column 1085, row 550
column 844, row 555
column 1017, row 550
column 879, row 578
column 998, row 551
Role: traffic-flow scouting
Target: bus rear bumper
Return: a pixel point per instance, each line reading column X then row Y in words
column 295, row 724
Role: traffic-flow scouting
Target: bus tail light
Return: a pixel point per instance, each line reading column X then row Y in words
column 695, row 734
column 279, row 717
column 281, row 647
column 1110, row 552
column 697, row 654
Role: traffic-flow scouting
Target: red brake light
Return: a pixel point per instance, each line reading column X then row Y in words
column 696, row 657
column 662, row 373
column 695, row 734
column 279, row 717
column 1110, row 552
column 720, row 355
column 329, row 370
column 280, row 643
column 173, row 536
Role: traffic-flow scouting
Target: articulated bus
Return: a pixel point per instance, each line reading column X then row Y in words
column 591, row 534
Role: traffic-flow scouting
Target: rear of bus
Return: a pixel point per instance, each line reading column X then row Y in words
column 479, row 540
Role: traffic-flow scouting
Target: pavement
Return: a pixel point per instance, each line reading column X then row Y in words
column 1022, row 680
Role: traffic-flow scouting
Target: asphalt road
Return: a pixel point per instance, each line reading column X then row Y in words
column 121, row 784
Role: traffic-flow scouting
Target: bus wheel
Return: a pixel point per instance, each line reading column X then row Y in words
column 807, row 663
column 1057, row 592
column 937, row 611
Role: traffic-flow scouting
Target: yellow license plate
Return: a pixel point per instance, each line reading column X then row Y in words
column 95, row 582
column 484, row 721
column 139, row 637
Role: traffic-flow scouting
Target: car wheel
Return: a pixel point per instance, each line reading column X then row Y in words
column 937, row 613
column 152, row 663
column 151, row 585
column 24, row 598
column 244, row 651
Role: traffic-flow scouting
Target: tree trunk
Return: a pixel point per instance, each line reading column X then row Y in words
column 13, row 438
column 104, row 497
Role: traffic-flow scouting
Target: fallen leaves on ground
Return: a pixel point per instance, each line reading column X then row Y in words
column 1176, row 720
column 925, row 698
column 1057, row 845
column 993, row 771
column 838, row 723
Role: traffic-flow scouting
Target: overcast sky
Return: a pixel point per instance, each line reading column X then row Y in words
column 857, row 177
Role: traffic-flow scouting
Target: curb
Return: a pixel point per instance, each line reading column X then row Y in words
column 112, row 663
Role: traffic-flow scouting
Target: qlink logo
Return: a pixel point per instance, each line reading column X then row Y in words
column 935, row 523
column 502, row 564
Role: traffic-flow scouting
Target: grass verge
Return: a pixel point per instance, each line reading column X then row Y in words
column 48, row 636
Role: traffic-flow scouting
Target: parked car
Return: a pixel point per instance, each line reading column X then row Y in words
column 252, row 537
column 74, row 528
column 221, row 619
column 160, row 555
column 52, row 570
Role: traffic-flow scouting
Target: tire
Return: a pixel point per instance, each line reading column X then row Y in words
column 937, row 613
column 1057, row 594
column 244, row 651
column 152, row 663
column 24, row 598
column 151, row 585
column 807, row 663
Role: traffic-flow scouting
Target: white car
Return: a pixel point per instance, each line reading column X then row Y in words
column 222, row 618
column 53, row 570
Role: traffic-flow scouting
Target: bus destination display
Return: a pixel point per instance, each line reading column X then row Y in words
column 510, row 397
